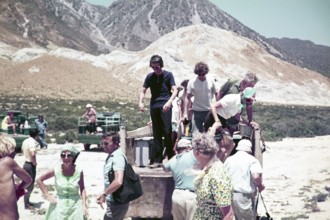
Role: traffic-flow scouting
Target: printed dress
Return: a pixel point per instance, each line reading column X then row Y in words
column 69, row 204
column 213, row 188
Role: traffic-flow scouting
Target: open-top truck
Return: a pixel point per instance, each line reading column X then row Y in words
column 24, row 123
column 105, row 122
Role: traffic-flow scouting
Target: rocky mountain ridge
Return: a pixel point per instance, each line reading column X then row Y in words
column 304, row 53
column 129, row 25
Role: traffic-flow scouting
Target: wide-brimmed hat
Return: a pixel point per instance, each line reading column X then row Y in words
column 244, row 145
column 248, row 92
column 184, row 143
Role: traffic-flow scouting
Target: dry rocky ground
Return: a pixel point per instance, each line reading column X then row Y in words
column 295, row 171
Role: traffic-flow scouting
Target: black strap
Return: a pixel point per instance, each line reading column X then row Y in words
column 112, row 163
column 263, row 202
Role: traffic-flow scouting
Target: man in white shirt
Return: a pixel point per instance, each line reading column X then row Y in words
column 245, row 171
column 226, row 113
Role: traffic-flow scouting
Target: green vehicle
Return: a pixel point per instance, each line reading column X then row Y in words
column 22, row 130
column 105, row 122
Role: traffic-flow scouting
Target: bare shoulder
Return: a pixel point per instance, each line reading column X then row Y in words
column 6, row 165
column 7, row 162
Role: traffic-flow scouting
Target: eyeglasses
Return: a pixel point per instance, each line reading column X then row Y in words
column 201, row 74
column 68, row 155
column 155, row 66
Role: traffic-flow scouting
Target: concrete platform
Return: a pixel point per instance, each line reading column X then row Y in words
column 156, row 201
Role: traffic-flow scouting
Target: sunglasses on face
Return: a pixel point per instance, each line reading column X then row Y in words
column 64, row 155
column 201, row 74
column 155, row 66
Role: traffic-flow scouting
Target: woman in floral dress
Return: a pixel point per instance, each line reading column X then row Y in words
column 70, row 200
column 213, row 186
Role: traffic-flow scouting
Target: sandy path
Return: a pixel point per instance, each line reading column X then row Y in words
column 295, row 170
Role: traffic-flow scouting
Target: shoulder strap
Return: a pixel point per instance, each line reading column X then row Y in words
column 111, row 170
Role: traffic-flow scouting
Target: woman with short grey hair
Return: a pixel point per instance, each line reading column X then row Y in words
column 213, row 185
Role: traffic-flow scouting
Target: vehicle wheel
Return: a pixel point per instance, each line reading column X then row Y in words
column 87, row 146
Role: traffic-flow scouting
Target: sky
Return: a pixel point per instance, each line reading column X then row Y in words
column 302, row 19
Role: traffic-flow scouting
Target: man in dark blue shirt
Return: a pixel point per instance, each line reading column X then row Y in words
column 163, row 92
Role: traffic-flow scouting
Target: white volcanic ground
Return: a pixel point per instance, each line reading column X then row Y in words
column 295, row 170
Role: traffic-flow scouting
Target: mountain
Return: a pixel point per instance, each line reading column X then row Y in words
column 69, row 74
column 51, row 23
column 134, row 25
column 128, row 25
column 131, row 25
column 304, row 53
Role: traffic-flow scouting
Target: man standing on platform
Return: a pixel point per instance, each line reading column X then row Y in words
column 163, row 92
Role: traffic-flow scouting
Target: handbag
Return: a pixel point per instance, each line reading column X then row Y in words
column 267, row 217
column 131, row 188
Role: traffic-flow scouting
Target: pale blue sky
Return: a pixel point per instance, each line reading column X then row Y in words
column 302, row 19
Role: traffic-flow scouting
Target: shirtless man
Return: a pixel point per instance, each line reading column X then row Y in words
column 10, row 192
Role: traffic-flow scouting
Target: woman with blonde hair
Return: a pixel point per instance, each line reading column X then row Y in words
column 213, row 186
column 70, row 200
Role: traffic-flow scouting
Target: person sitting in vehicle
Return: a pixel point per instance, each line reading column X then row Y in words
column 90, row 116
column 8, row 122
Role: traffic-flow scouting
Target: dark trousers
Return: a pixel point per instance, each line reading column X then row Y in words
column 115, row 211
column 198, row 120
column 91, row 127
column 32, row 171
column 161, row 127
column 230, row 123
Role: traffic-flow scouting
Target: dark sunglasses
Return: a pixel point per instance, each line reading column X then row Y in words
column 155, row 66
column 201, row 74
column 63, row 155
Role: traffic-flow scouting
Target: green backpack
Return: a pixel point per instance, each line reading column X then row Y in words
column 230, row 87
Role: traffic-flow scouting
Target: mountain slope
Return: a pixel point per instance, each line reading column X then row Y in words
column 133, row 25
column 305, row 54
column 52, row 22
column 69, row 74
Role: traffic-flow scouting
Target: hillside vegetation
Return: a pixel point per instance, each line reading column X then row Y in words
column 276, row 121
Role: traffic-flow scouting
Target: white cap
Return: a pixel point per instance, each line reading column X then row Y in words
column 184, row 143
column 244, row 145
column 88, row 106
